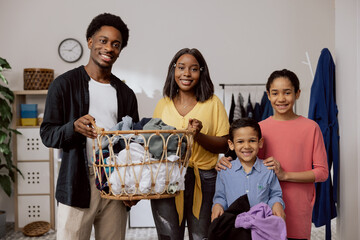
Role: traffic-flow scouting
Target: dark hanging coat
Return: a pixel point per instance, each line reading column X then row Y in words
column 266, row 108
column 232, row 109
column 324, row 111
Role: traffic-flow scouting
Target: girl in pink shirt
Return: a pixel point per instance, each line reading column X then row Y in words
column 294, row 149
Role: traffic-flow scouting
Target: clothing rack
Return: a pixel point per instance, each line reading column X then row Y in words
column 223, row 85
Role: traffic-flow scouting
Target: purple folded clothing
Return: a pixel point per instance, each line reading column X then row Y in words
column 263, row 224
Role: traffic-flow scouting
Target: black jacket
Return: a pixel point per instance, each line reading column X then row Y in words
column 223, row 227
column 66, row 101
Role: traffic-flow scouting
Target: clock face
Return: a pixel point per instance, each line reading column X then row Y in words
column 70, row 50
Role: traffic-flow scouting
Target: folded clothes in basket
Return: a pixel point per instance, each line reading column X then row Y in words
column 156, row 144
column 126, row 124
column 117, row 141
column 101, row 181
column 134, row 172
column 139, row 170
column 144, row 174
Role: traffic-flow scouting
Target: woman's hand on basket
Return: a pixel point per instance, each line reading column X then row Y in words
column 195, row 126
column 84, row 127
column 223, row 164
column 130, row 203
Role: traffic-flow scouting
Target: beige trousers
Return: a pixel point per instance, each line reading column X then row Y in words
column 108, row 216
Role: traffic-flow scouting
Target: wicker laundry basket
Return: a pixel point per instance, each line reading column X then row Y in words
column 133, row 173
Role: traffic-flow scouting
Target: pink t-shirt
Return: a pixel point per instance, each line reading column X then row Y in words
column 299, row 146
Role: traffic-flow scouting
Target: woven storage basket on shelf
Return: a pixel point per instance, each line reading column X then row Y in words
column 38, row 78
column 134, row 173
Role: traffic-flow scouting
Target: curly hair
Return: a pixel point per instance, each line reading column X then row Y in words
column 108, row 19
column 203, row 90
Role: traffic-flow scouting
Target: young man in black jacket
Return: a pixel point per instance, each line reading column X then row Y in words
column 74, row 98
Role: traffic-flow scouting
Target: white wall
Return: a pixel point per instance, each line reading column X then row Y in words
column 347, row 48
column 243, row 41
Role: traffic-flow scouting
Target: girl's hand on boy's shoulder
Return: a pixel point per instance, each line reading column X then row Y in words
column 223, row 164
column 273, row 164
column 217, row 211
column 278, row 210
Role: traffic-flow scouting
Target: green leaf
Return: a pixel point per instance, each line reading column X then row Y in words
column 7, row 93
column 6, row 163
column 18, row 170
column 4, row 63
column 5, row 183
column 3, row 136
column 2, row 77
column 15, row 131
column 4, row 149
column 5, row 111
column 12, row 175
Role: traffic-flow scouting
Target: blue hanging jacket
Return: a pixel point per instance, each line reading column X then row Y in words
column 323, row 110
column 266, row 108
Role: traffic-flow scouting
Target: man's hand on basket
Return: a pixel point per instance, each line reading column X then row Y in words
column 130, row 203
column 84, row 127
column 223, row 164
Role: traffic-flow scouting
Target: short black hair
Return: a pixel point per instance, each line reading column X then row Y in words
column 204, row 89
column 285, row 74
column 108, row 19
column 244, row 122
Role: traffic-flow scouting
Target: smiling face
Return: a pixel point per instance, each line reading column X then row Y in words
column 187, row 72
column 246, row 144
column 105, row 46
column 282, row 97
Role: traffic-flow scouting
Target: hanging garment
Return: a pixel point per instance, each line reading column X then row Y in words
column 249, row 108
column 232, row 108
column 231, row 119
column 239, row 111
column 323, row 110
column 257, row 112
column 266, row 108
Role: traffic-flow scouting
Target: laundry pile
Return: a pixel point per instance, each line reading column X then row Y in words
column 141, row 164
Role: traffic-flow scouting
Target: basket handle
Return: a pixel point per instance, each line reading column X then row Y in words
column 98, row 129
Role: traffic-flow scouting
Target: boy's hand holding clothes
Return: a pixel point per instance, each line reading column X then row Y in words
column 278, row 210
column 217, row 211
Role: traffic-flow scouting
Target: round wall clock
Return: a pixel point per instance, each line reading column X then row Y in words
column 70, row 50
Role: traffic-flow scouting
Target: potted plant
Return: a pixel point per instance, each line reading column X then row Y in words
column 7, row 168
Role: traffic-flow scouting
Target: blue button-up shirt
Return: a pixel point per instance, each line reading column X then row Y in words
column 260, row 184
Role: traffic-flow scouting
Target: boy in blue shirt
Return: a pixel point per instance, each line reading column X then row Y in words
column 248, row 174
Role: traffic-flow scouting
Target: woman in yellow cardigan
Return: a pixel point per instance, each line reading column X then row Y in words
column 189, row 102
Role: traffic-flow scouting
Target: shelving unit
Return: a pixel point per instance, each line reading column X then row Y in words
column 34, row 194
